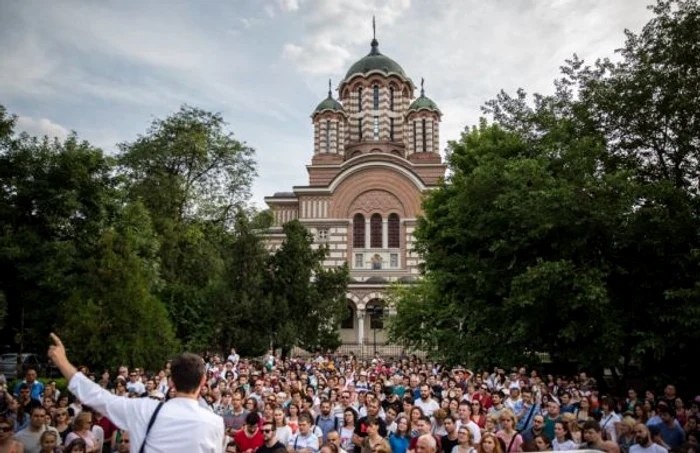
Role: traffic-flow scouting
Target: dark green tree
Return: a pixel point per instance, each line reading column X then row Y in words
column 113, row 317
column 308, row 300
column 193, row 176
column 570, row 226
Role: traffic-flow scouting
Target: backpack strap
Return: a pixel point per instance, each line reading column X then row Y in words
column 150, row 425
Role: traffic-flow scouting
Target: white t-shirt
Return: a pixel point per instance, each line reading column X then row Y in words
column 566, row 445
column 283, row 434
column 652, row 448
column 608, row 422
column 299, row 442
column 473, row 429
column 428, row 407
column 30, row 439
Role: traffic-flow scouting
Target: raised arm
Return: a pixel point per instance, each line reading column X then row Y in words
column 121, row 411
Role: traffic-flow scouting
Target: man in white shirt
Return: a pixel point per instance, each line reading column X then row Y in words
column 426, row 403
column 643, row 441
column 305, row 441
column 465, row 414
column 178, row 425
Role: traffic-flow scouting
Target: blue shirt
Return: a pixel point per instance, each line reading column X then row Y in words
column 674, row 437
column 36, row 389
column 399, row 444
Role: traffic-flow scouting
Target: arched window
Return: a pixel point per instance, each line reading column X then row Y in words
column 391, row 98
column 375, row 231
column 424, row 150
column 359, row 127
column 358, row 231
column 375, row 98
column 348, row 321
column 359, row 99
column 391, row 129
column 328, row 136
column 394, row 231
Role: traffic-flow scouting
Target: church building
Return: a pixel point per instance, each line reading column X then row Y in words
column 375, row 152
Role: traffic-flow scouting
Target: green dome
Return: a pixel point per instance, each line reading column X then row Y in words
column 329, row 104
column 424, row 103
column 375, row 61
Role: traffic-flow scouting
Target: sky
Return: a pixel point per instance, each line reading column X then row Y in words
column 106, row 69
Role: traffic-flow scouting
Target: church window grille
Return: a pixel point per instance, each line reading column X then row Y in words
column 359, row 260
column 375, row 128
column 359, row 99
column 375, row 231
column 359, row 126
column 394, row 231
column 391, row 129
column 322, row 234
column 391, row 98
column 358, row 231
column 415, row 136
column 394, row 260
column 375, row 98
column 423, row 133
column 328, row 136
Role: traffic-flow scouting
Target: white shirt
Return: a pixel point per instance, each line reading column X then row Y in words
column 473, row 429
column 652, row 448
column 608, row 422
column 428, row 407
column 181, row 424
column 299, row 442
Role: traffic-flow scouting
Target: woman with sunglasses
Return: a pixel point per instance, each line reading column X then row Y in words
column 7, row 442
column 62, row 423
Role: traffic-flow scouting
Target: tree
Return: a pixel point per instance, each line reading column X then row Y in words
column 188, row 167
column 113, row 316
column 570, row 226
column 308, row 300
column 193, row 176
column 56, row 197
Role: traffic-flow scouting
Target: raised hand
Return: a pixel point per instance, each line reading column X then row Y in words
column 57, row 354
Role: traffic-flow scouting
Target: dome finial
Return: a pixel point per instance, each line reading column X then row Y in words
column 374, row 43
column 422, row 89
column 329, row 89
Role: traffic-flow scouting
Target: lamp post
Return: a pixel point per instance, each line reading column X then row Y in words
column 375, row 311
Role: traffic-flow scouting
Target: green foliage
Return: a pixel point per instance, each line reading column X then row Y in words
column 570, row 226
column 308, row 300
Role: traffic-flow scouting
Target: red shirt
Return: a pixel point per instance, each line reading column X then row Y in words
column 248, row 443
column 107, row 426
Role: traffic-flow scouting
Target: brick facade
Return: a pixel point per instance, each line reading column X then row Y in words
column 373, row 158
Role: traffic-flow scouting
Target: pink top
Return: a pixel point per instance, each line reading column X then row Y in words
column 517, row 443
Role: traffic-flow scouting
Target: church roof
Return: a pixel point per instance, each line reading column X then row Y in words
column 329, row 103
column 424, row 102
column 375, row 61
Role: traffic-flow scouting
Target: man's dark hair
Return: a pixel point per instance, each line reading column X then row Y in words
column 425, row 418
column 252, row 419
column 23, row 386
column 37, row 408
column 450, row 417
column 591, row 424
column 374, row 421
column 305, row 416
column 186, row 372
column 271, row 424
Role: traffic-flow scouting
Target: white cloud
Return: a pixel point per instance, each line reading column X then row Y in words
column 289, row 5
column 332, row 30
column 41, row 127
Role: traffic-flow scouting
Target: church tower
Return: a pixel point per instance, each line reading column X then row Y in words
column 375, row 152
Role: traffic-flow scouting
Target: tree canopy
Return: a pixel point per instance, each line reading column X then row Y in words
column 134, row 257
column 569, row 224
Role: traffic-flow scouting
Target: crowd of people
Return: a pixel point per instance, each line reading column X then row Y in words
column 338, row 404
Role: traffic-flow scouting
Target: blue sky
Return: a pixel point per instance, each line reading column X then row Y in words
column 106, row 68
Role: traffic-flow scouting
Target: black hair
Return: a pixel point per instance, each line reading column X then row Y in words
column 187, row 371
column 252, row 419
